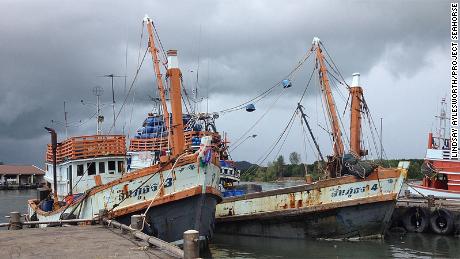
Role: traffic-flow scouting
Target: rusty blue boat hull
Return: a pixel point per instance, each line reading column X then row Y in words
column 336, row 208
column 359, row 221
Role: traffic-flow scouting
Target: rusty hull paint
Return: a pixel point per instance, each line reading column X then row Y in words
column 317, row 198
column 107, row 196
column 357, row 221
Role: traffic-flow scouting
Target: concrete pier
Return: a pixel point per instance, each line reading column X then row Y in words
column 92, row 241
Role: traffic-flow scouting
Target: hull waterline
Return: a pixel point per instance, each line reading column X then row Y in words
column 337, row 208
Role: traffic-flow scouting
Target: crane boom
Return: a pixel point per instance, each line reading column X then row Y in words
column 336, row 133
column 156, row 61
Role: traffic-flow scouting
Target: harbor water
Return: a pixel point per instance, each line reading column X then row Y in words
column 395, row 245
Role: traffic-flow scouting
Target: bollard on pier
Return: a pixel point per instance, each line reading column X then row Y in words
column 15, row 220
column 136, row 222
column 191, row 244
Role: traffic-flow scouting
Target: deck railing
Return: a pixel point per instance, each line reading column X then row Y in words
column 152, row 144
column 88, row 147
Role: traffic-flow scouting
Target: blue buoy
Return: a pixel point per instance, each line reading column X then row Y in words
column 47, row 205
column 286, row 83
column 250, row 107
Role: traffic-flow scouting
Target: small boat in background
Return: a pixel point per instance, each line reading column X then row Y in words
column 441, row 173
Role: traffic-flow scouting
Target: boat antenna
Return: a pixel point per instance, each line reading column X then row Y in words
column 98, row 91
column 111, row 76
column 126, row 75
column 197, row 72
column 381, row 139
column 65, row 121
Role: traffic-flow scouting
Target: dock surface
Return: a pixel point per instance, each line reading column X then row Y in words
column 89, row 241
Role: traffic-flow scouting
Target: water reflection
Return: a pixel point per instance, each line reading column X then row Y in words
column 394, row 246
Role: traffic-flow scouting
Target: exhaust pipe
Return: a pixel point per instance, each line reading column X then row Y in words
column 54, row 148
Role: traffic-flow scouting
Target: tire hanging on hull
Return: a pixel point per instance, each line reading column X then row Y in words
column 416, row 220
column 442, row 222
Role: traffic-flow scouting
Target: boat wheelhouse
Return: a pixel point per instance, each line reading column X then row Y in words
column 85, row 162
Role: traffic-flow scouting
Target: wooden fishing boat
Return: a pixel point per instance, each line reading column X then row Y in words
column 176, row 191
column 355, row 200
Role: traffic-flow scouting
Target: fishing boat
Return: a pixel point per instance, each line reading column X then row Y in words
column 441, row 173
column 174, row 190
column 355, row 199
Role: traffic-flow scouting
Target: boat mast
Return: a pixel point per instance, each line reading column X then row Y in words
column 442, row 138
column 156, row 61
column 174, row 74
column 336, row 133
column 356, row 93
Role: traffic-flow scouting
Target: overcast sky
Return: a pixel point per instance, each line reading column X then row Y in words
column 55, row 51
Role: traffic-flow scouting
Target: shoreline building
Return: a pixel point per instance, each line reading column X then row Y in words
column 20, row 176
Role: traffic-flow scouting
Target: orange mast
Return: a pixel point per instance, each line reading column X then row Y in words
column 336, row 134
column 175, row 75
column 355, row 121
column 154, row 52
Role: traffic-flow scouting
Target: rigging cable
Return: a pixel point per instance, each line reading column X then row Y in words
column 286, row 136
column 289, row 125
column 272, row 147
column 161, row 45
column 268, row 91
column 131, row 87
column 124, row 102
column 241, row 138
column 332, row 60
column 368, row 113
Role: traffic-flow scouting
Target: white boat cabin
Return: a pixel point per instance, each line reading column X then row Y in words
column 85, row 162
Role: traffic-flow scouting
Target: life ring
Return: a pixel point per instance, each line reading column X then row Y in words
column 442, row 222
column 416, row 220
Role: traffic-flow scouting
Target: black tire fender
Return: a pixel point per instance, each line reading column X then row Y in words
column 416, row 220
column 442, row 222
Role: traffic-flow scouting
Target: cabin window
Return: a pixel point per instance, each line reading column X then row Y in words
column 79, row 170
column 111, row 167
column 101, row 167
column 91, row 168
column 121, row 166
column 225, row 171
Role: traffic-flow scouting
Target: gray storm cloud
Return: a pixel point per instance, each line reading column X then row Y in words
column 54, row 51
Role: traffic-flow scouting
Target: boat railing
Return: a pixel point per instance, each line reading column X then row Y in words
column 151, row 144
column 88, row 147
column 437, row 154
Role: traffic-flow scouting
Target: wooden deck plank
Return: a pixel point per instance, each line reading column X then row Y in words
column 74, row 242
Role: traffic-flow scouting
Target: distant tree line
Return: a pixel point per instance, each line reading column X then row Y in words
column 278, row 169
